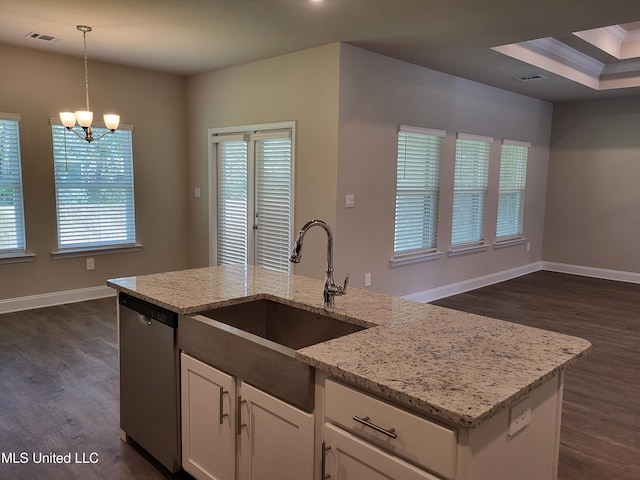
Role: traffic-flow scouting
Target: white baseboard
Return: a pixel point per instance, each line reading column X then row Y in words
column 55, row 298
column 92, row 293
column 473, row 283
column 606, row 274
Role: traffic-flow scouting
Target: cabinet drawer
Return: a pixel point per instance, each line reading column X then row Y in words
column 347, row 456
column 417, row 440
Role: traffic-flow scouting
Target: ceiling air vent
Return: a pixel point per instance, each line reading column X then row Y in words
column 530, row 78
column 43, row 37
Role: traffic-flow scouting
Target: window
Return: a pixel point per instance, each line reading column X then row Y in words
column 12, row 239
column 254, row 198
column 417, row 190
column 513, row 178
column 94, row 190
column 470, row 189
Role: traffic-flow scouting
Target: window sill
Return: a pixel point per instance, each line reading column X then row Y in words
column 468, row 249
column 511, row 242
column 17, row 258
column 87, row 252
column 414, row 258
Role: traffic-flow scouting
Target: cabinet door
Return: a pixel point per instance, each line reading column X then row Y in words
column 208, row 437
column 350, row 458
column 276, row 439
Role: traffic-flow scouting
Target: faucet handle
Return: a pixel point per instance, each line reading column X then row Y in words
column 342, row 289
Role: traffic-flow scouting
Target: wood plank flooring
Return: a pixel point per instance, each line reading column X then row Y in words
column 59, row 394
column 600, row 435
column 59, row 380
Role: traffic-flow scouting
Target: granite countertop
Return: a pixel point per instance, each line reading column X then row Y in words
column 458, row 367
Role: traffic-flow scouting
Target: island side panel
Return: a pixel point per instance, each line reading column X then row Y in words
column 530, row 454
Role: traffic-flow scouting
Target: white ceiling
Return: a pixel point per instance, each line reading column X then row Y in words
column 193, row 36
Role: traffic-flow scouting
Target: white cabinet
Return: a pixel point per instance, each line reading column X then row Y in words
column 208, row 420
column 276, row 439
column 351, row 458
column 232, row 430
column 404, row 435
column 370, row 438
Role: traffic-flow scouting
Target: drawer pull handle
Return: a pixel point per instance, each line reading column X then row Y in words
column 365, row 421
column 222, row 415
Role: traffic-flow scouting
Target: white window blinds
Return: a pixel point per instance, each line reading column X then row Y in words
column 12, row 238
column 94, row 189
column 417, row 189
column 513, row 178
column 254, row 198
column 232, row 200
column 470, row 189
column 273, row 219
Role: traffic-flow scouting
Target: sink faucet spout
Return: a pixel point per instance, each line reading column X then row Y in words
column 330, row 289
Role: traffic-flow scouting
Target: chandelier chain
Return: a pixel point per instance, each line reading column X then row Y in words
column 86, row 69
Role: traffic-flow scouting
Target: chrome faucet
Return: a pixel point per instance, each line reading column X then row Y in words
column 330, row 289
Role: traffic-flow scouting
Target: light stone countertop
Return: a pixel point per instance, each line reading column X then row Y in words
column 458, row 367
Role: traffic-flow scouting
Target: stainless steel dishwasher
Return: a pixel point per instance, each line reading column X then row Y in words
column 149, row 373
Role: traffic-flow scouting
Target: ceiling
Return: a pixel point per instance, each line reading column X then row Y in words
column 188, row 37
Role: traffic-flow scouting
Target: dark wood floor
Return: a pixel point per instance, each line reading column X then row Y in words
column 600, row 436
column 59, row 380
column 59, row 394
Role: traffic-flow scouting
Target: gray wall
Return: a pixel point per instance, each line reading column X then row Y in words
column 301, row 86
column 593, row 201
column 37, row 86
column 377, row 94
column 347, row 103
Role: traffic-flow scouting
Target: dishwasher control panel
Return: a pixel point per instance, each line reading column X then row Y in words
column 154, row 312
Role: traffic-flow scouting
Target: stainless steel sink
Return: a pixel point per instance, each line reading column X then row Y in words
column 256, row 342
column 283, row 324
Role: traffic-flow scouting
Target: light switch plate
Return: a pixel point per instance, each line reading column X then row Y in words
column 350, row 201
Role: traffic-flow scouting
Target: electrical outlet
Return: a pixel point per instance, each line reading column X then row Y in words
column 528, row 246
column 367, row 279
column 90, row 263
column 196, row 192
column 519, row 416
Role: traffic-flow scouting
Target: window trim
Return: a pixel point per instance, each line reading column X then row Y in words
column 472, row 246
column 518, row 239
column 18, row 254
column 17, row 258
column 259, row 131
column 71, row 252
column 406, row 257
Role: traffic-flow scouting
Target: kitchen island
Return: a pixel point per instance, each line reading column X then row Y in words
column 475, row 375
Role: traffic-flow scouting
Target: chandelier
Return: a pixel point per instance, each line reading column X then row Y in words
column 85, row 117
